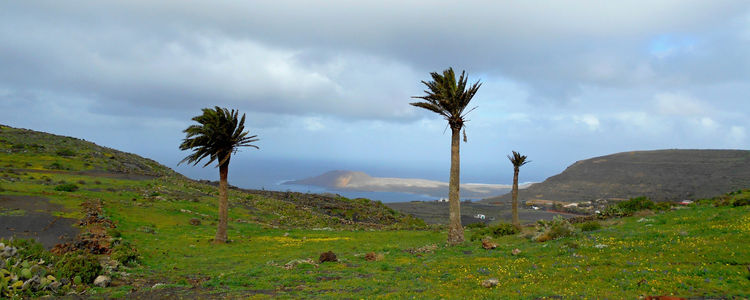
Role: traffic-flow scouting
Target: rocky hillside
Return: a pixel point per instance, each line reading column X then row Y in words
column 663, row 175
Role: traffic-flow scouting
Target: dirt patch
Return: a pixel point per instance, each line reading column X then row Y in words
column 34, row 219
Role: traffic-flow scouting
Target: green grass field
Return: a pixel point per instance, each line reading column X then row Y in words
column 700, row 251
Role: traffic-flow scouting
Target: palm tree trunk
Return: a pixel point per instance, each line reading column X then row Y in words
column 221, row 231
column 455, row 230
column 515, row 197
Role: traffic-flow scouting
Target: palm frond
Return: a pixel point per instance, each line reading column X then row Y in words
column 517, row 159
column 218, row 134
column 448, row 97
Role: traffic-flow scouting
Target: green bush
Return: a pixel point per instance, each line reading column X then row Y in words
column 558, row 227
column 66, row 152
column 67, row 187
column 78, row 263
column 495, row 231
column 476, row 225
column 635, row 204
column 663, row 206
column 56, row 166
column 591, row 226
column 30, row 249
column 125, row 254
column 613, row 211
column 741, row 202
column 628, row 208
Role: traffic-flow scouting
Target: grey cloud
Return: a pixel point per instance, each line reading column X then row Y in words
column 138, row 52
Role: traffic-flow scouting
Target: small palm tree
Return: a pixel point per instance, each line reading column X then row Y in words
column 517, row 160
column 449, row 98
column 218, row 135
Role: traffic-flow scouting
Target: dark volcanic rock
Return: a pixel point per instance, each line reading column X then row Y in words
column 327, row 256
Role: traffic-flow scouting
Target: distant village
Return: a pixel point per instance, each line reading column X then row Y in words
column 582, row 208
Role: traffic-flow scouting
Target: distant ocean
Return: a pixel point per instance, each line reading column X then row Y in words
column 381, row 196
column 270, row 174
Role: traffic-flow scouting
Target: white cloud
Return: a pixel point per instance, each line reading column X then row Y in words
column 680, row 104
column 737, row 136
column 313, row 123
column 591, row 121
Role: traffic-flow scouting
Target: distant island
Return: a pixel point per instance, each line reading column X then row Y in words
column 360, row 181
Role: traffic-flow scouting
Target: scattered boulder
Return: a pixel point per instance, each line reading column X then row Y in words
column 292, row 264
column 423, row 249
column 33, row 282
column 487, row 244
column 8, row 251
column 327, row 256
column 195, row 222
column 102, row 281
column 158, row 286
column 516, row 251
column 370, row 256
column 490, row 283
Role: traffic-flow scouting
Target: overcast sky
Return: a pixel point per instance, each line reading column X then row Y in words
column 326, row 84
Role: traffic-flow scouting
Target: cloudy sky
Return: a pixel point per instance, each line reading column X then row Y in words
column 326, row 84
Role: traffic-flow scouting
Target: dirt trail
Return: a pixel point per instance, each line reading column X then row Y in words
column 32, row 217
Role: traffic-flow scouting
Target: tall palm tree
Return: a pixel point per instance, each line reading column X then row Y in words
column 218, row 135
column 517, row 160
column 449, row 98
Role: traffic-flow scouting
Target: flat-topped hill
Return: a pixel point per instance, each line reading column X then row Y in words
column 662, row 175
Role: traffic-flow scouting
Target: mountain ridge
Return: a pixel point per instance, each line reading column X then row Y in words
column 662, row 175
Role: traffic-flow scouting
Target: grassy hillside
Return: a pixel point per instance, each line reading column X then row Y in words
column 700, row 251
column 41, row 161
column 33, row 150
column 664, row 175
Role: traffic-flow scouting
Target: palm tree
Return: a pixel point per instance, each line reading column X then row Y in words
column 517, row 160
column 449, row 98
column 218, row 135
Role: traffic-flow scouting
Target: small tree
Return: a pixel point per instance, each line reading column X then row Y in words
column 449, row 98
column 218, row 135
column 517, row 160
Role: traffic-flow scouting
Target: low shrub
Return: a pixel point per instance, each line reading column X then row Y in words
column 66, row 187
column 476, row 225
column 636, row 204
column 495, row 231
column 30, row 249
column 613, row 211
column 556, row 228
column 125, row 254
column 741, row 202
column 56, row 166
column 628, row 208
column 66, row 152
column 78, row 264
column 663, row 206
column 591, row 226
